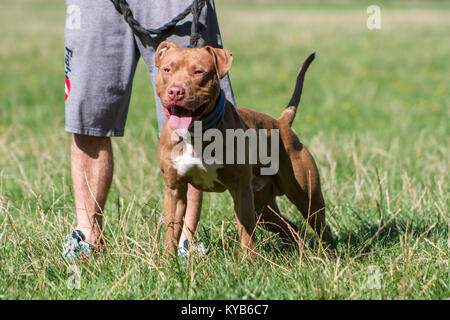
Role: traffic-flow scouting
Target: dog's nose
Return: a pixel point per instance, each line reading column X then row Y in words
column 175, row 93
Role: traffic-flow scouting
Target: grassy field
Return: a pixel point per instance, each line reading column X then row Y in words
column 374, row 113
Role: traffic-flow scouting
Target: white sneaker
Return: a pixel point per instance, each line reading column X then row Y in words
column 198, row 249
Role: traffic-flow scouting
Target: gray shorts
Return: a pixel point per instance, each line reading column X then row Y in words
column 101, row 54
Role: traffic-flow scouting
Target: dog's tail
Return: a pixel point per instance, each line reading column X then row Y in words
column 288, row 115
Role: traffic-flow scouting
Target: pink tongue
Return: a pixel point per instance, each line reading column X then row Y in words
column 180, row 124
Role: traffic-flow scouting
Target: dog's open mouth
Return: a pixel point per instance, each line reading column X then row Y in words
column 181, row 118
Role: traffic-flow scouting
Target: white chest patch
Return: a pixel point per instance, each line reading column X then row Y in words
column 192, row 165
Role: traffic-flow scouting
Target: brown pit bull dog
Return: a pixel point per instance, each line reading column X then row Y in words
column 188, row 85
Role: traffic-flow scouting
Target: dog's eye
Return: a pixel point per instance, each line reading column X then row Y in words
column 198, row 72
column 166, row 69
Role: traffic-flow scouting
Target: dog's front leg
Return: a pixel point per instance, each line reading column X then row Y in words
column 246, row 218
column 174, row 211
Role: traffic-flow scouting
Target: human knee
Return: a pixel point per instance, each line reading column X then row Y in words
column 90, row 144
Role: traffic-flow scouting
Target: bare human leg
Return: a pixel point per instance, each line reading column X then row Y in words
column 91, row 162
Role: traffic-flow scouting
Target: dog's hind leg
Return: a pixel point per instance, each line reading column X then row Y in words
column 272, row 220
column 301, row 184
column 246, row 219
column 312, row 207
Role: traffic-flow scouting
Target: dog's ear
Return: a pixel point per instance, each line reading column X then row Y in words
column 161, row 50
column 222, row 60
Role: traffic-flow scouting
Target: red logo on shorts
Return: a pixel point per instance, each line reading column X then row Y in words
column 67, row 60
column 67, row 88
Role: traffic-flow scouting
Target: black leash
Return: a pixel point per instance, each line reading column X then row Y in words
column 195, row 8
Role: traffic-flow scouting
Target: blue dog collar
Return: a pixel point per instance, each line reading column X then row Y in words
column 215, row 117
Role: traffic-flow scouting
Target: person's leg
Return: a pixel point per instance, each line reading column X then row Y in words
column 100, row 61
column 91, row 164
column 156, row 15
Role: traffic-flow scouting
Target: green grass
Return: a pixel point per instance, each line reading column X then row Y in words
column 374, row 114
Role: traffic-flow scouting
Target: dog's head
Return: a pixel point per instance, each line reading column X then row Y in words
column 187, row 81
